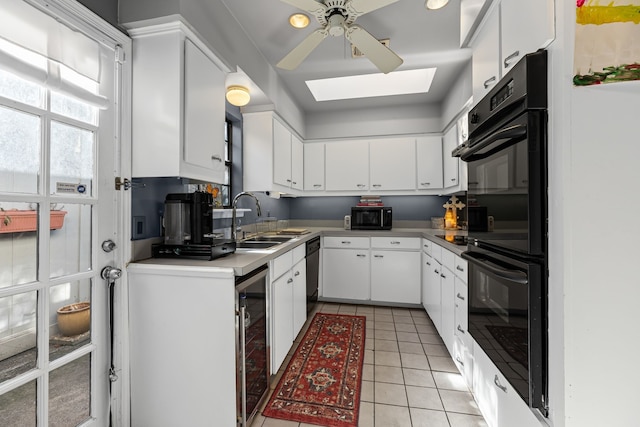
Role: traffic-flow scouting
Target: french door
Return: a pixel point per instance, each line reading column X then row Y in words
column 61, row 223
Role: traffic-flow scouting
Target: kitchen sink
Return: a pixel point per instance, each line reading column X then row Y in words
column 268, row 239
column 253, row 244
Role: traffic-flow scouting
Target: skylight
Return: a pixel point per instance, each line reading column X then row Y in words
column 370, row 85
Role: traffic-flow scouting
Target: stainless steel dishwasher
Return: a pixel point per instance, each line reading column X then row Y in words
column 313, row 271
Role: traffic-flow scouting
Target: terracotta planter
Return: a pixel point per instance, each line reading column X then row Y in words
column 20, row 221
column 74, row 319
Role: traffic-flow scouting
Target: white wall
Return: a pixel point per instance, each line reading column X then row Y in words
column 593, row 285
column 410, row 119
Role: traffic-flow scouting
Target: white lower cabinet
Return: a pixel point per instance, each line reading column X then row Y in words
column 379, row 269
column 345, row 274
column 498, row 401
column 288, row 302
column 447, row 295
column 395, row 276
column 182, row 370
column 463, row 344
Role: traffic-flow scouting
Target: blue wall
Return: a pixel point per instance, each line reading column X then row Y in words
column 405, row 208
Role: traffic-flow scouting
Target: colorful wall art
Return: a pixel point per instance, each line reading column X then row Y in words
column 607, row 43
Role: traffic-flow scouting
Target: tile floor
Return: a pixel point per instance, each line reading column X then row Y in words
column 409, row 379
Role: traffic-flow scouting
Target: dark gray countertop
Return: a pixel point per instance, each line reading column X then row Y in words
column 244, row 261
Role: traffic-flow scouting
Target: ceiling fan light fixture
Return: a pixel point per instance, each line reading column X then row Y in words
column 435, row 4
column 238, row 95
column 299, row 20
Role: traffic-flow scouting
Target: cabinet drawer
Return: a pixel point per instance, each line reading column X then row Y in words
column 448, row 260
column 461, row 268
column 299, row 253
column 427, row 245
column 280, row 265
column 346, row 242
column 436, row 252
column 395, row 243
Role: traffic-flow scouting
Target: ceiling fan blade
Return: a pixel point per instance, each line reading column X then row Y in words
column 384, row 58
column 310, row 6
column 300, row 52
column 360, row 7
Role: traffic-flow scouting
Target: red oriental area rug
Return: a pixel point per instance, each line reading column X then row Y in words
column 322, row 382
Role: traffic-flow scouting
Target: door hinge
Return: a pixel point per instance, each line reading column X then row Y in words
column 119, row 54
column 120, row 183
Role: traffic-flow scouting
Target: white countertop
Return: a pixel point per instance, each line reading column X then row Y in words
column 243, row 261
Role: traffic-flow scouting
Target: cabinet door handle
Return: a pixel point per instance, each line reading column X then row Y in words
column 216, row 158
column 496, row 381
column 345, row 242
column 317, row 185
column 507, row 60
column 459, row 328
column 288, row 180
column 454, row 179
column 443, row 276
column 459, row 268
column 297, row 273
column 459, row 361
column 436, row 271
column 489, row 82
column 395, row 242
column 425, row 183
column 460, row 296
column 294, row 183
column 290, row 280
column 428, row 263
column 378, row 256
column 377, row 185
column 361, row 255
column 360, row 185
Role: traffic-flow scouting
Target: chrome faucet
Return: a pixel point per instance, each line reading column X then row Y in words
column 234, row 233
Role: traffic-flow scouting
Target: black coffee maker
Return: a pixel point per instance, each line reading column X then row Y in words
column 188, row 229
column 188, row 218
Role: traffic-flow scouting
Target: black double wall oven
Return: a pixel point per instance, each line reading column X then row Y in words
column 506, row 157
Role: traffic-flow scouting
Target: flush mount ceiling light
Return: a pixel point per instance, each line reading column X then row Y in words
column 299, row 20
column 238, row 95
column 435, row 4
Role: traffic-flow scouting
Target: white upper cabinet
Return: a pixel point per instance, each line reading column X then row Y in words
column 272, row 155
column 485, row 63
column 178, row 106
column 313, row 166
column 281, row 154
column 451, row 165
column 526, row 27
column 347, row 166
column 511, row 29
column 429, row 158
column 297, row 163
column 392, row 164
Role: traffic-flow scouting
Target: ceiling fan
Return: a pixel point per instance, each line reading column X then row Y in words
column 336, row 18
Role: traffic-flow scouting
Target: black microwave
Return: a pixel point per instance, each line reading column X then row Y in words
column 371, row 218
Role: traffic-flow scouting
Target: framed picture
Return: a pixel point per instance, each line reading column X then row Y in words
column 607, row 42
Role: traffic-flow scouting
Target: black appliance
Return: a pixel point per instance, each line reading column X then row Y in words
column 371, row 218
column 506, row 155
column 252, row 344
column 313, row 271
column 188, row 226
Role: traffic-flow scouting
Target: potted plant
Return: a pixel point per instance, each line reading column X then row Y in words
column 16, row 221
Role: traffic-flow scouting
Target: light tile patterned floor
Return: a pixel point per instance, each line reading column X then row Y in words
column 409, row 379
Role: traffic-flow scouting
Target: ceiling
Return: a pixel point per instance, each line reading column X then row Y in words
column 422, row 38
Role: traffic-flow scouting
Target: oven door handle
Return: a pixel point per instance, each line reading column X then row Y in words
column 483, row 261
column 513, row 134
